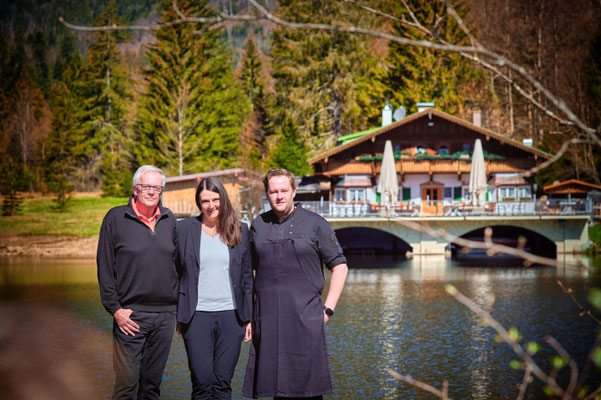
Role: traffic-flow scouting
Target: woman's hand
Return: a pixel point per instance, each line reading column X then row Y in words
column 248, row 335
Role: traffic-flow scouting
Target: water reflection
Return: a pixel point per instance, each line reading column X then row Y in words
column 396, row 317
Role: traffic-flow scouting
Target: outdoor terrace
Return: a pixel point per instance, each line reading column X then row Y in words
column 444, row 208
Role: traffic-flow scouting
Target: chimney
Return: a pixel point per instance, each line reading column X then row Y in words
column 477, row 117
column 387, row 114
column 422, row 106
column 527, row 142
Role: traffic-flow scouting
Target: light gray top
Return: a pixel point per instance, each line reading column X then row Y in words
column 214, row 283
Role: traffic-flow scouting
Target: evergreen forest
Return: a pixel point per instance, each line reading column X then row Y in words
column 81, row 110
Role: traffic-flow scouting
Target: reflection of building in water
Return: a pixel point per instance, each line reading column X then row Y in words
column 482, row 293
column 428, row 268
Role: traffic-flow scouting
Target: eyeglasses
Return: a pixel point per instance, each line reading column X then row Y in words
column 146, row 188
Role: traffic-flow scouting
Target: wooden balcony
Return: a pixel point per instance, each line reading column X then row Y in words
column 412, row 166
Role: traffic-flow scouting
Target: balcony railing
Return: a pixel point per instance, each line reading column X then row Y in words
column 441, row 208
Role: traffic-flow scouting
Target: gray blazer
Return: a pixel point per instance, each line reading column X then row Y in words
column 188, row 251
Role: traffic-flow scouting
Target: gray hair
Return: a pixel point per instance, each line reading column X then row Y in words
column 148, row 168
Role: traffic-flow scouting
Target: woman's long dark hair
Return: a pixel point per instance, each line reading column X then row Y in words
column 228, row 226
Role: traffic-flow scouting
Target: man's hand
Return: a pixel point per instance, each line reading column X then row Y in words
column 248, row 335
column 325, row 318
column 125, row 324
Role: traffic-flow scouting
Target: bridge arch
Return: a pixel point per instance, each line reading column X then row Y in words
column 536, row 243
column 365, row 241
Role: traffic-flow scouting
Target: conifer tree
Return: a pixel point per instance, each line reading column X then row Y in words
column 65, row 145
column 108, row 91
column 290, row 152
column 419, row 74
column 12, row 181
column 254, row 132
column 325, row 81
column 191, row 114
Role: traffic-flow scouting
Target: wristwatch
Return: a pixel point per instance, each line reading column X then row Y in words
column 329, row 312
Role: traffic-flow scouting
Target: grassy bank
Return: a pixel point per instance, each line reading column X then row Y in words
column 594, row 233
column 38, row 217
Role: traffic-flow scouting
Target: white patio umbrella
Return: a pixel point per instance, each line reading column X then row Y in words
column 388, row 185
column 477, row 185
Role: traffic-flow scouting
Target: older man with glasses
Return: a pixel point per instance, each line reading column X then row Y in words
column 138, row 285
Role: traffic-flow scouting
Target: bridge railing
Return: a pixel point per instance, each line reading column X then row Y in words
column 448, row 208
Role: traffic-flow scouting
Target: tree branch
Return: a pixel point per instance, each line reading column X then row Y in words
column 525, row 381
column 489, row 321
column 582, row 310
column 443, row 394
column 571, row 363
column 497, row 58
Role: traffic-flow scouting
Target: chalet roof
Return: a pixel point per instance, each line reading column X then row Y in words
column 571, row 186
column 428, row 112
column 355, row 181
column 500, row 180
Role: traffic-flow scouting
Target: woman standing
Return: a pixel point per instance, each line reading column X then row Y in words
column 215, row 290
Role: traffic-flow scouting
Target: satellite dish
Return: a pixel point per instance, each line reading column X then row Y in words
column 399, row 113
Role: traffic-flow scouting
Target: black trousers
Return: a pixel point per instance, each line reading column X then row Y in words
column 139, row 360
column 213, row 341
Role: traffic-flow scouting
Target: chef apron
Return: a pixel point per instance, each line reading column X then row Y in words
column 288, row 357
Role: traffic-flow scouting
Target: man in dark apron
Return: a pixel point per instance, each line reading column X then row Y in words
column 288, row 357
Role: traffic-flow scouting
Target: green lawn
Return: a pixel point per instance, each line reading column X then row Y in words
column 37, row 217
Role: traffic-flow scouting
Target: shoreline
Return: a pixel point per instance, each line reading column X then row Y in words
column 48, row 246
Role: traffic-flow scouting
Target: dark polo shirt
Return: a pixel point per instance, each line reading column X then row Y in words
column 136, row 265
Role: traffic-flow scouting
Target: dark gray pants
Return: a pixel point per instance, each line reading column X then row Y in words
column 212, row 342
column 139, row 360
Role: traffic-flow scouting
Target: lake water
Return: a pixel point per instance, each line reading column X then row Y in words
column 55, row 335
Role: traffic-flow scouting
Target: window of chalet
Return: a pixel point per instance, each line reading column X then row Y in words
column 406, row 193
column 339, row 195
column 467, row 148
column 457, row 193
column 506, row 193
column 448, row 192
column 443, row 151
column 356, row 194
column 525, row 192
column 420, row 150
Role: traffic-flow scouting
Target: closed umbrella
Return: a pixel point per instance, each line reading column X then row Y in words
column 477, row 185
column 388, row 185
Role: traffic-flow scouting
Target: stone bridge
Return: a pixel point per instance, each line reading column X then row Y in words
column 568, row 232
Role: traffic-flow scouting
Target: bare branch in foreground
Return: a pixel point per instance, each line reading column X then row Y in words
column 571, row 363
column 182, row 19
column 471, row 51
column 497, row 58
column 563, row 149
column 582, row 310
column 489, row 321
column 525, row 381
column 443, row 394
column 594, row 394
